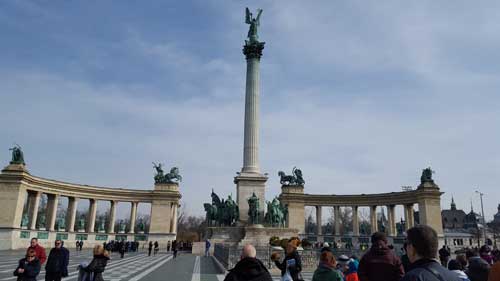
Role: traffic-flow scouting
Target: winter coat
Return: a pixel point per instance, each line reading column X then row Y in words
column 326, row 273
column 249, row 269
column 422, row 270
column 380, row 264
column 31, row 270
column 478, row 269
column 352, row 273
column 58, row 261
column 39, row 253
column 97, row 266
column 494, row 272
column 294, row 269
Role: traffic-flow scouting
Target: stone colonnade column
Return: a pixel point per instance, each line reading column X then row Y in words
column 91, row 215
column 391, row 230
column 409, row 216
column 71, row 213
column 174, row 218
column 355, row 221
column 52, row 202
column 373, row 219
column 318, row 220
column 336, row 214
column 133, row 214
column 112, row 215
column 34, row 203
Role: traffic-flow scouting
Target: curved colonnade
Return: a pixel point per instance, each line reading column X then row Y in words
column 427, row 197
column 19, row 188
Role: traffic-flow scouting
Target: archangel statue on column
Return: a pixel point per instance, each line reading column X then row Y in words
column 254, row 23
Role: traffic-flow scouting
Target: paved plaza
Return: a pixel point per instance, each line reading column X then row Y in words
column 135, row 267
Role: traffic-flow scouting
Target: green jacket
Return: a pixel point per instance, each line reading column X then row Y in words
column 324, row 273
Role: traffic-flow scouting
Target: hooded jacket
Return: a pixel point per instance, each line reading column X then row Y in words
column 326, row 273
column 31, row 270
column 249, row 269
column 380, row 264
column 352, row 272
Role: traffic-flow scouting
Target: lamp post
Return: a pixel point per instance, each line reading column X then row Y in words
column 482, row 211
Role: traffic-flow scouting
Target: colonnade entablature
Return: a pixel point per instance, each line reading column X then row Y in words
column 426, row 197
column 20, row 202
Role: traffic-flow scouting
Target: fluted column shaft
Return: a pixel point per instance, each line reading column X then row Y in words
column 355, row 221
column 133, row 214
column 71, row 213
column 318, row 220
column 112, row 216
column 251, row 138
column 34, row 203
column 91, row 215
column 373, row 218
column 53, row 200
column 336, row 214
column 391, row 230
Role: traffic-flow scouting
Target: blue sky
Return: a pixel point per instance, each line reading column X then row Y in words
column 361, row 95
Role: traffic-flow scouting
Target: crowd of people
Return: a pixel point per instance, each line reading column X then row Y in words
column 56, row 263
column 420, row 262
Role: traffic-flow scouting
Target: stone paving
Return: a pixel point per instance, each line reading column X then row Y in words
column 134, row 267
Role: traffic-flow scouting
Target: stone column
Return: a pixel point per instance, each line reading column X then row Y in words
column 112, row 215
column 174, row 218
column 318, row 221
column 71, row 214
column 409, row 216
column 52, row 202
column 355, row 221
column 336, row 214
column 34, row 203
column 91, row 215
column 391, row 230
column 133, row 214
column 373, row 218
column 253, row 52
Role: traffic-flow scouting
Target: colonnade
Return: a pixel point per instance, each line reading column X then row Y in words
column 391, row 220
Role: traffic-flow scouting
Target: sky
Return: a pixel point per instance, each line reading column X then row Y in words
column 360, row 95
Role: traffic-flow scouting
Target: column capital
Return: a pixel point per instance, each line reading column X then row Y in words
column 253, row 50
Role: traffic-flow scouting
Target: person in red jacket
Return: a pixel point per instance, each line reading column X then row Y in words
column 380, row 263
column 39, row 250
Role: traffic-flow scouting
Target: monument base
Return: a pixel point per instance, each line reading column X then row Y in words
column 256, row 235
column 246, row 185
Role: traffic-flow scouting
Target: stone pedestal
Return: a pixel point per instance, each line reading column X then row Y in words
column 246, row 185
column 296, row 209
column 256, row 235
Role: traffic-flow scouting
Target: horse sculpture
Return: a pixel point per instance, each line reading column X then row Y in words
column 173, row 176
column 276, row 213
column 211, row 216
column 286, row 179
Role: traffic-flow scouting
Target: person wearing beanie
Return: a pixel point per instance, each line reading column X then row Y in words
column 352, row 270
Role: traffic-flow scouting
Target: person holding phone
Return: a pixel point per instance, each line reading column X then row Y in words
column 292, row 263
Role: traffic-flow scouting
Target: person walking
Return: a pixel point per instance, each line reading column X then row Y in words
column 249, row 268
column 168, row 246
column 39, row 250
column 81, row 244
column 444, row 256
column 207, row 248
column 57, row 263
column 77, row 245
column 422, row 251
column 98, row 264
column 28, row 268
column 380, row 263
column 292, row 264
column 326, row 270
column 121, row 248
column 157, row 248
column 174, row 248
column 150, row 248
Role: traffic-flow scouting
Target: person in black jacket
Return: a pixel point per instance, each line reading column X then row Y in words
column 150, row 248
column 98, row 263
column 292, row 262
column 249, row 268
column 422, row 250
column 57, row 263
column 28, row 267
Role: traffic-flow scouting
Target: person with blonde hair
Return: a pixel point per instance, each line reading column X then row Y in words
column 96, row 267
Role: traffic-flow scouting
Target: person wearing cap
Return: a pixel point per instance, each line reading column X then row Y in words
column 380, row 263
column 292, row 262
